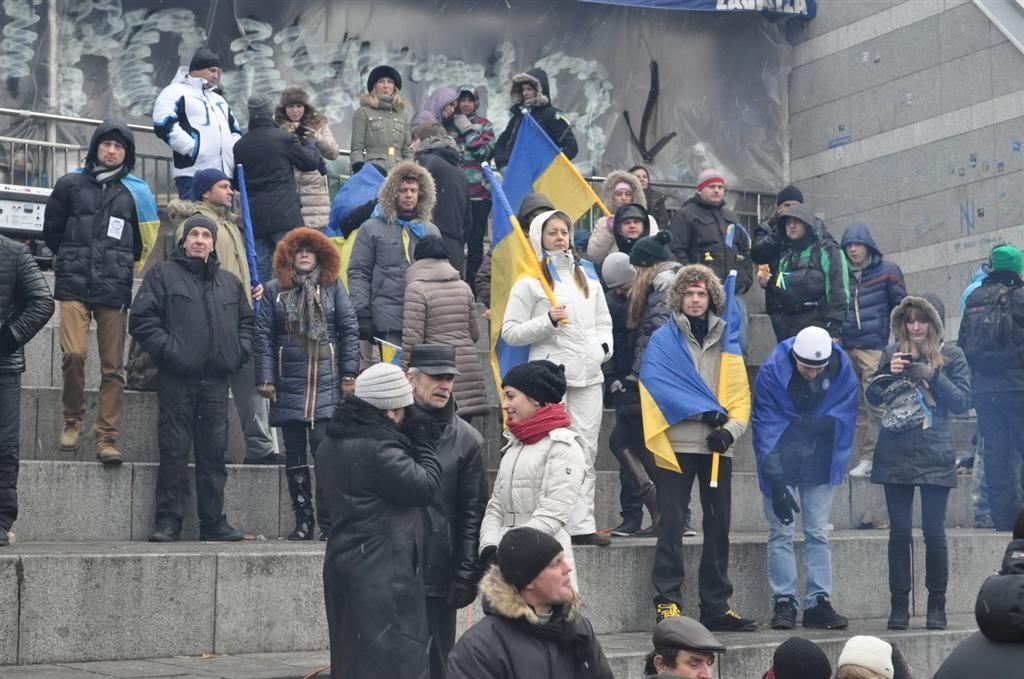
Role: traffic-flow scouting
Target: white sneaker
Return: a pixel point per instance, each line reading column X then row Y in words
column 862, row 469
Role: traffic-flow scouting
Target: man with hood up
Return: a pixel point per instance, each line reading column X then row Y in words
column 531, row 96
column 437, row 152
column 92, row 226
column 876, row 288
column 384, row 249
column 475, row 136
column 193, row 119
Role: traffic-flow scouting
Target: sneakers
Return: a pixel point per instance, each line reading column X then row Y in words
column 862, row 469
column 107, row 453
column 167, row 530
column 220, row 532
column 595, row 539
column 823, row 616
column 785, row 613
column 666, row 609
column 71, row 436
column 688, row 531
column 626, row 529
column 730, row 621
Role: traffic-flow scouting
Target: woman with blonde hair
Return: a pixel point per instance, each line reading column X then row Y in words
column 380, row 128
column 921, row 382
column 296, row 114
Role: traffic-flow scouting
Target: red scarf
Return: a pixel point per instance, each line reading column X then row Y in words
column 543, row 420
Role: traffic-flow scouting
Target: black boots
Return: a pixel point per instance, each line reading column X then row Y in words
column 936, row 617
column 899, row 618
column 300, row 488
column 167, row 530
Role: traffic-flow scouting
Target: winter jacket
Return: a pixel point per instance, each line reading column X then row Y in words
column 381, row 134
column 376, row 482
column 620, row 365
column 308, row 387
column 314, row 196
column 93, row 262
column 383, row 251
column 767, row 246
column 537, row 485
column 454, row 517
column 875, row 291
column 477, row 144
column 555, row 123
column 270, row 157
column 452, row 213
column 197, row 124
column 656, row 205
column 193, row 318
column 230, row 247
column 1009, row 377
column 923, row 456
column 811, row 286
column 439, row 309
column 25, row 302
column 503, row 645
column 712, row 235
column 584, row 342
column 656, row 311
column 603, row 238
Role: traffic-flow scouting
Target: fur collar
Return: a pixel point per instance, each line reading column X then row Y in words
column 387, row 197
column 355, row 418
column 504, row 600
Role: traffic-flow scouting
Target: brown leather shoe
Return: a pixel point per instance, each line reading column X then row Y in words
column 595, row 539
column 71, row 436
column 107, row 453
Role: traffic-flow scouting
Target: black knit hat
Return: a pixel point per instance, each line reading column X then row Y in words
column 651, row 250
column 789, row 193
column 543, row 381
column 798, row 658
column 197, row 220
column 431, row 247
column 524, row 553
column 379, row 72
column 203, row 58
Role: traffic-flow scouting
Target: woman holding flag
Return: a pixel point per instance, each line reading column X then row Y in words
column 576, row 333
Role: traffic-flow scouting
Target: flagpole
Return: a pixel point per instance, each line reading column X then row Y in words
column 250, row 240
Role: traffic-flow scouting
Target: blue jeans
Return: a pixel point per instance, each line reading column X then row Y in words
column 815, row 509
column 265, row 246
column 184, row 186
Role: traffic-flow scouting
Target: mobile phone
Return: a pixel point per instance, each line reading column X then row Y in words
column 905, row 357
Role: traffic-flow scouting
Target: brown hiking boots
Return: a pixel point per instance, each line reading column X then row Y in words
column 71, row 436
column 106, row 451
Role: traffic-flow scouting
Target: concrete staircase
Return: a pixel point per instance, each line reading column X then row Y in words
column 81, row 589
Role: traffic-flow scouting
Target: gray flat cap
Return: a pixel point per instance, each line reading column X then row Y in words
column 687, row 634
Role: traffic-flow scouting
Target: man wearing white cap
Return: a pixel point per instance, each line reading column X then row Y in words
column 805, row 408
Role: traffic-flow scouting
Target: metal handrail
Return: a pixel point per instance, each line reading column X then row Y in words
column 53, row 117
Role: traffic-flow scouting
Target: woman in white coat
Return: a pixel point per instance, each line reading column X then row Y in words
column 576, row 333
column 542, row 465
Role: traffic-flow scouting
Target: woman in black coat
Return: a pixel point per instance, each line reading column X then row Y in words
column 307, row 353
column 921, row 456
column 376, row 478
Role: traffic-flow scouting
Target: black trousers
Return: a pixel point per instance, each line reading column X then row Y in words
column 900, row 501
column 441, row 622
column 298, row 437
column 10, row 431
column 193, row 415
column 481, row 210
column 1001, row 425
column 713, row 584
column 628, row 433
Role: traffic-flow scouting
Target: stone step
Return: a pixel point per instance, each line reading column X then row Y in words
column 66, row 602
column 748, row 655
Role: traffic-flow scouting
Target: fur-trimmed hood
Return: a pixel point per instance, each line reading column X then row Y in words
column 926, row 306
column 501, row 598
column 536, row 77
column 537, row 230
column 326, row 256
column 696, row 272
column 387, row 197
column 615, row 177
column 179, row 209
column 296, row 95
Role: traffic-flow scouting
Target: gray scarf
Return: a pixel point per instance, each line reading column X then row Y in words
column 304, row 313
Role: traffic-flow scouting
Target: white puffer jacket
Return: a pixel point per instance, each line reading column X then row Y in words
column 576, row 344
column 537, row 486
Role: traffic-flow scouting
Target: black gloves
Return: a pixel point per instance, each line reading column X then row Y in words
column 365, row 325
column 488, row 556
column 919, row 371
column 460, row 593
column 714, row 418
column 719, row 440
column 425, row 430
column 783, row 503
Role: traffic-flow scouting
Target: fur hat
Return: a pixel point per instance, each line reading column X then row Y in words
column 326, row 256
column 523, row 553
column 383, row 71
column 542, row 380
column 651, row 250
column 690, row 274
column 384, row 386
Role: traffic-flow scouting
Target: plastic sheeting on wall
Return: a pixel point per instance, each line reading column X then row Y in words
column 722, row 76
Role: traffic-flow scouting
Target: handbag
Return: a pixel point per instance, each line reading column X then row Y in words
column 905, row 408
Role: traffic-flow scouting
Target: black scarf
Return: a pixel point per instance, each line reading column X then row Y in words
column 699, row 328
column 104, row 174
column 565, row 634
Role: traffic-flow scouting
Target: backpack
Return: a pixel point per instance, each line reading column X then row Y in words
column 988, row 335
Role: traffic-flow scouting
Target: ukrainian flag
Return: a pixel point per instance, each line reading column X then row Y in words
column 537, row 164
column 145, row 210
column 512, row 258
column 389, row 353
column 671, row 389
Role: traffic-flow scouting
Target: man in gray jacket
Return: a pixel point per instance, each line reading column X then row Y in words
column 384, row 249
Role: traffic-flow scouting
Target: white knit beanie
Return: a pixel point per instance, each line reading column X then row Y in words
column 871, row 653
column 384, row 386
column 617, row 270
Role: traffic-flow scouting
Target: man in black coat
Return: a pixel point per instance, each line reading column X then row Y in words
column 534, row 626
column 453, row 214
column 450, row 573
column 92, row 225
column 531, row 96
column 194, row 319
column 25, row 307
column 270, row 156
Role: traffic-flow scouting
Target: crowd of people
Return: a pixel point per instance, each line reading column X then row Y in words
column 413, row 532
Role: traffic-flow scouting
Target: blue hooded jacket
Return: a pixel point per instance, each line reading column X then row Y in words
column 873, row 295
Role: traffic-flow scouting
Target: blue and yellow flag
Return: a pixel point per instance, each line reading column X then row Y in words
column 145, row 210
column 537, row 164
column 671, row 389
column 389, row 353
column 512, row 258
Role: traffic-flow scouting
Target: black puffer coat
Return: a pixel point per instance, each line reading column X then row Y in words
column 270, row 156
column 452, row 214
column 555, row 123
column 25, row 302
column 923, row 456
column 456, row 513
column 699, row 232
column 193, row 318
column 375, row 483
column 92, row 267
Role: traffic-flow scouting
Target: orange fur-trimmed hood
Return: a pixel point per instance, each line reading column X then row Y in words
column 326, row 256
